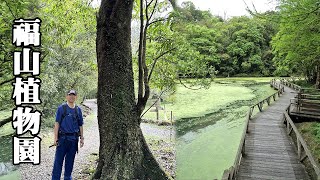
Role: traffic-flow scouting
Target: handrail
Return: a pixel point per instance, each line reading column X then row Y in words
column 296, row 87
column 230, row 173
column 290, row 84
column 301, row 144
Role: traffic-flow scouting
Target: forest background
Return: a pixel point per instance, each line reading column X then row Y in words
column 275, row 43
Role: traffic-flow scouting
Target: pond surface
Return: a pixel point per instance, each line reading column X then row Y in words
column 7, row 170
column 6, row 148
column 207, row 145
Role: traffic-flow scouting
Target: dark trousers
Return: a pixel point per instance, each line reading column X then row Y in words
column 65, row 151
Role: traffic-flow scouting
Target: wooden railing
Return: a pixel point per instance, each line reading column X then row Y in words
column 290, row 84
column 301, row 145
column 307, row 99
column 287, row 82
column 233, row 170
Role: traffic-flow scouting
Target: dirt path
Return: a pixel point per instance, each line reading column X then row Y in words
column 43, row 171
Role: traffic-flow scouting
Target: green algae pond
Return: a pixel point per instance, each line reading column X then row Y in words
column 210, row 123
column 7, row 170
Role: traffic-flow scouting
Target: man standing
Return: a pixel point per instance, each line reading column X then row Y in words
column 67, row 129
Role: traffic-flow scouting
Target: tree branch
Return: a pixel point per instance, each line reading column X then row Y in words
column 10, row 9
column 153, row 104
column 5, row 121
column 145, row 69
column 187, row 86
column 158, row 20
column 44, row 56
column 148, row 4
column 140, row 86
column 153, row 10
column 6, row 81
column 155, row 61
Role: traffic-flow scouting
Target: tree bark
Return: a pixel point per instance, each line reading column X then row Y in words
column 123, row 151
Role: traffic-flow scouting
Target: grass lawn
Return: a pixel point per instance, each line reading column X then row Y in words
column 311, row 134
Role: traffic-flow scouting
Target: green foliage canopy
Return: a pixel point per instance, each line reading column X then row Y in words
column 67, row 49
column 296, row 45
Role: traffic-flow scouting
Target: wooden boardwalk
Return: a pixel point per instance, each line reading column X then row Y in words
column 269, row 151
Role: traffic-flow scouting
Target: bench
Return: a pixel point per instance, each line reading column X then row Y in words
column 306, row 104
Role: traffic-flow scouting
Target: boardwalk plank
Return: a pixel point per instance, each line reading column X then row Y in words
column 269, row 152
column 283, row 166
column 267, row 177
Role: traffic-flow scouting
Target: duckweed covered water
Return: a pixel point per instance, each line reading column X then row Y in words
column 207, row 145
column 7, row 170
column 6, row 149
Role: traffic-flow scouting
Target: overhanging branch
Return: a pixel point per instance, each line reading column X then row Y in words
column 153, row 103
column 155, row 61
column 158, row 20
column 188, row 86
column 5, row 121
column 10, row 9
column 6, row 81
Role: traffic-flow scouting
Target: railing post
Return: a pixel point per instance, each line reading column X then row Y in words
column 250, row 112
column 299, row 101
column 299, row 147
column 259, row 106
column 247, row 128
column 243, row 151
column 232, row 173
column 283, row 119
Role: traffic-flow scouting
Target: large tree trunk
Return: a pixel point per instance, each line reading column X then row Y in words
column 123, row 152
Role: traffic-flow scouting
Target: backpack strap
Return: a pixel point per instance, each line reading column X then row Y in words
column 64, row 107
column 76, row 108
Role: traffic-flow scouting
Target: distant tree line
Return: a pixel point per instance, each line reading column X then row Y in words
column 284, row 42
column 239, row 46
